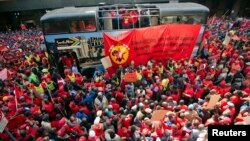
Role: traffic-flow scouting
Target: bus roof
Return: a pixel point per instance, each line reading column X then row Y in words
column 64, row 13
column 165, row 8
column 181, row 8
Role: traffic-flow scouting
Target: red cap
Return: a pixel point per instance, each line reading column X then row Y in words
column 82, row 138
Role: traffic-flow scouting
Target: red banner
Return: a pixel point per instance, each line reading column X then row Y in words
column 130, row 77
column 160, row 43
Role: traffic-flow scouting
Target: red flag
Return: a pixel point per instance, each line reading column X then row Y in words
column 160, row 43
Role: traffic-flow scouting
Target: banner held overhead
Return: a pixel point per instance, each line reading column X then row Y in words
column 160, row 43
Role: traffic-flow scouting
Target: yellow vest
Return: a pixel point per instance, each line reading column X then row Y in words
column 28, row 58
column 39, row 89
column 161, row 70
column 50, row 86
column 37, row 58
column 46, row 54
column 139, row 76
column 72, row 78
column 150, row 73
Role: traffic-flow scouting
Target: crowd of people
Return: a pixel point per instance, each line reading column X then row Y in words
column 41, row 105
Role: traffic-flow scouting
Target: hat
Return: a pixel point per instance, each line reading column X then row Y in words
column 141, row 105
column 148, row 110
column 91, row 133
column 99, row 94
column 99, row 113
column 200, row 100
column 21, row 97
column 181, row 101
column 97, row 120
column 164, row 103
column 45, row 70
column 213, row 91
column 100, row 89
column 134, row 107
column 230, row 104
column 191, row 107
column 110, row 107
column 108, row 85
column 241, row 57
column 82, row 138
column 170, row 113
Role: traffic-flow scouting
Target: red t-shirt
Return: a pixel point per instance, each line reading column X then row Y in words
column 98, row 130
column 123, row 132
column 115, row 106
column 126, row 121
column 119, row 96
column 183, row 107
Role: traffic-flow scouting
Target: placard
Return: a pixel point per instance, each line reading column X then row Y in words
column 3, row 122
column 3, row 74
column 227, row 40
column 213, row 101
column 130, row 77
column 106, row 62
column 158, row 115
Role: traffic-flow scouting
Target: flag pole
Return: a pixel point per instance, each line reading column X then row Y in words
column 54, row 101
column 15, row 96
column 9, row 134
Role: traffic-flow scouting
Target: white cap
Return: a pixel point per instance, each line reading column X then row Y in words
column 99, row 113
column 164, row 103
column 141, row 105
column 148, row 110
column 99, row 93
column 191, row 107
column 97, row 120
column 92, row 133
column 134, row 107
column 158, row 139
column 110, row 106
column 230, row 104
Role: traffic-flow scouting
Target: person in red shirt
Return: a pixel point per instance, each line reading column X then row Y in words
column 126, row 121
column 90, row 26
column 214, row 120
column 189, row 92
column 74, row 107
column 115, row 105
column 182, row 105
column 118, row 95
column 123, row 132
